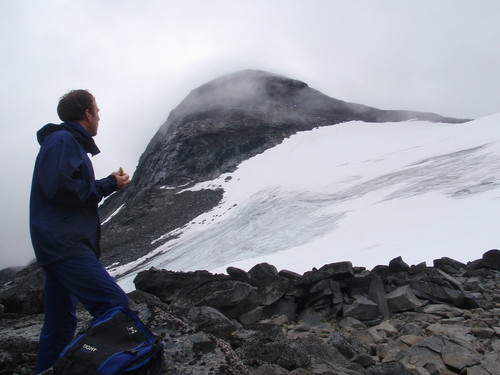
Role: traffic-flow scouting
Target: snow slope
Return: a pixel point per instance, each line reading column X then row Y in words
column 362, row 192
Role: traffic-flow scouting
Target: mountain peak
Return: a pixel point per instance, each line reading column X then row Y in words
column 250, row 90
column 217, row 126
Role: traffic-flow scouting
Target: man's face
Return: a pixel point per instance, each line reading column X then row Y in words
column 93, row 118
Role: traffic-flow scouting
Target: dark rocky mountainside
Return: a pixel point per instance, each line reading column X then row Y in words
column 216, row 127
column 339, row 319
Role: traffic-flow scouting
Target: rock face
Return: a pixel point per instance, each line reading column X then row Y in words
column 338, row 319
column 216, row 127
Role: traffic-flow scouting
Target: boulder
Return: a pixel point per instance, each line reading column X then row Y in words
column 402, row 299
column 23, row 302
column 168, row 284
column 270, row 292
column 336, row 271
column 412, row 329
column 263, row 272
column 24, row 293
column 440, row 353
column 362, row 308
column 449, row 265
column 285, row 306
column 290, row 275
column 266, row 343
column 252, row 316
column 417, row 268
column 220, row 294
column 491, row 259
column 376, row 293
column 200, row 354
column 212, row 321
column 398, row 265
column 457, row 357
column 348, row 346
column 270, row 285
column 238, row 273
column 438, row 286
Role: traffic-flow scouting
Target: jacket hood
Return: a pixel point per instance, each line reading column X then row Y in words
column 81, row 135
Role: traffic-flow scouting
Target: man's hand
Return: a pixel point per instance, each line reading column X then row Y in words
column 122, row 179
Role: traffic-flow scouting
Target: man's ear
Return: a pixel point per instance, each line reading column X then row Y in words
column 88, row 115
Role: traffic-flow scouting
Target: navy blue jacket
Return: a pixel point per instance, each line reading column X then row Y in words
column 64, row 218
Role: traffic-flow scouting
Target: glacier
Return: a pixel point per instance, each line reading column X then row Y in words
column 355, row 191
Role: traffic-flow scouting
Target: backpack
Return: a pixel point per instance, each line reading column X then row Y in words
column 116, row 342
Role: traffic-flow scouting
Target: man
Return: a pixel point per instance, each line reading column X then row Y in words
column 65, row 225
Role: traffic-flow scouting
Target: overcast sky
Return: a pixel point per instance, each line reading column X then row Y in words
column 140, row 58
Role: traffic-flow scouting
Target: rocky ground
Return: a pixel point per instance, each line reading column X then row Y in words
column 339, row 319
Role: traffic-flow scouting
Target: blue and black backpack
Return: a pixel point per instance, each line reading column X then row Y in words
column 117, row 342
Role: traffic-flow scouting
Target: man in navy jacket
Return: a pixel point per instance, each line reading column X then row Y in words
column 65, row 225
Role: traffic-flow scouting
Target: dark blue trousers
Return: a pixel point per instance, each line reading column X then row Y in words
column 68, row 281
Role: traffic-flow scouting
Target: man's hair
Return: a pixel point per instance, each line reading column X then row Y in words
column 72, row 105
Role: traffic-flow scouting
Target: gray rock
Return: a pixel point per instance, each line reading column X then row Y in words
column 24, row 293
column 336, row 271
column 271, row 291
column 418, row 268
column 199, row 354
column 262, row 272
column 268, row 344
column 376, row 293
column 252, row 316
column 443, row 353
column 362, row 308
column 290, row 275
column 449, row 265
column 169, row 284
column 285, row 306
column 220, row 294
column 391, row 368
column 238, row 273
column 491, row 259
column 364, row 360
column 412, row 329
column 348, row 346
column 212, row 321
column 351, row 324
column 421, row 356
column 482, row 370
column 437, row 293
column 398, row 265
column 323, row 286
column 312, row 316
column 188, row 350
column 483, row 333
column 402, row 299
column 387, row 350
column 458, row 357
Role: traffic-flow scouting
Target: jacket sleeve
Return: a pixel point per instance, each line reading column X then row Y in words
column 66, row 176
